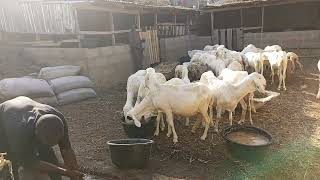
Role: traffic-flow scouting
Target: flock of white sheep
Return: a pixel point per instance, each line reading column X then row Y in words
column 215, row 77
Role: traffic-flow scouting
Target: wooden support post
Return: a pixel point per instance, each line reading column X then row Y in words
column 212, row 26
column 139, row 21
column 262, row 25
column 241, row 16
column 112, row 29
column 155, row 19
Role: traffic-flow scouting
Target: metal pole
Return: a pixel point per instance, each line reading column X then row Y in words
column 262, row 25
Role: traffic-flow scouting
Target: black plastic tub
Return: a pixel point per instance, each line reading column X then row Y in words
column 244, row 151
column 130, row 153
column 145, row 131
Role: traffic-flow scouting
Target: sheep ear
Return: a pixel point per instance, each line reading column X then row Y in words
column 137, row 123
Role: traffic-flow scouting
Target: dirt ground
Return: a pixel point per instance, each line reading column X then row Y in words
column 293, row 119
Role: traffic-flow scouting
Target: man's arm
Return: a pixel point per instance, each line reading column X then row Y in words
column 46, row 167
column 69, row 158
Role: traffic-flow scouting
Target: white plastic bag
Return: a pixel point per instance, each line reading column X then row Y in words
column 14, row 87
column 49, row 73
column 67, row 83
column 75, row 95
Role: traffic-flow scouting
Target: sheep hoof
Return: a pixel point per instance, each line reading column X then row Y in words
column 175, row 141
column 156, row 133
column 279, row 88
column 284, row 88
column 187, row 124
column 162, row 129
column 168, row 134
column 241, row 122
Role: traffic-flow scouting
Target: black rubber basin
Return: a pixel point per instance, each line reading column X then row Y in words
column 130, row 153
column 145, row 131
column 247, row 142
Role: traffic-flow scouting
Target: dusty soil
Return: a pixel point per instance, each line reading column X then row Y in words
column 293, row 119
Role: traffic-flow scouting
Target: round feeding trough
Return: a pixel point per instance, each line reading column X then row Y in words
column 247, row 142
column 145, row 131
column 130, row 153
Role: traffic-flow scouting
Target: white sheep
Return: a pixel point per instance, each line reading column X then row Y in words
column 235, row 77
column 235, row 66
column 173, row 81
column 251, row 48
column 226, row 96
column 212, row 48
column 255, row 61
column 181, row 71
column 318, row 95
column 278, row 61
column 229, row 56
column 294, row 59
column 143, row 91
column 272, row 48
column 193, row 52
column 133, row 85
column 184, row 100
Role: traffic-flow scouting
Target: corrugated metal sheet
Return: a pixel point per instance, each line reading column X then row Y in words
column 38, row 17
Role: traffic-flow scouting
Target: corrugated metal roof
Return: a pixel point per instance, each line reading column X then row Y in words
column 235, row 3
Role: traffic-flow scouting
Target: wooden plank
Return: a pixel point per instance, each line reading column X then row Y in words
column 223, row 36
column 216, row 39
column 103, row 32
column 239, row 38
column 229, row 38
column 157, row 45
column 251, row 28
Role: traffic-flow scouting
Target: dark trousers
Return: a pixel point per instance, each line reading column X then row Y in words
column 137, row 55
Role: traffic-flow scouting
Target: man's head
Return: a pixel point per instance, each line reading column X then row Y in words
column 49, row 129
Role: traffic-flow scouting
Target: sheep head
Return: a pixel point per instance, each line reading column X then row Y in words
column 126, row 108
column 259, row 81
column 144, row 108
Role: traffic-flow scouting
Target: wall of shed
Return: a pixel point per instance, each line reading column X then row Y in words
column 107, row 66
column 171, row 49
column 290, row 39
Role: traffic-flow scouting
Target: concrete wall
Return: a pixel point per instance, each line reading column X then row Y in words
column 107, row 66
column 171, row 49
column 289, row 40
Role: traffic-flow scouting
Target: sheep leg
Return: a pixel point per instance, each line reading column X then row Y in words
column 280, row 78
column 284, row 73
column 318, row 95
column 218, row 119
column 162, row 121
column 156, row 133
column 211, row 115
column 261, row 68
column 207, row 120
column 230, row 118
column 187, row 121
column 272, row 75
column 251, row 103
column 169, row 129
column 169, row 116
column 244, row 111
